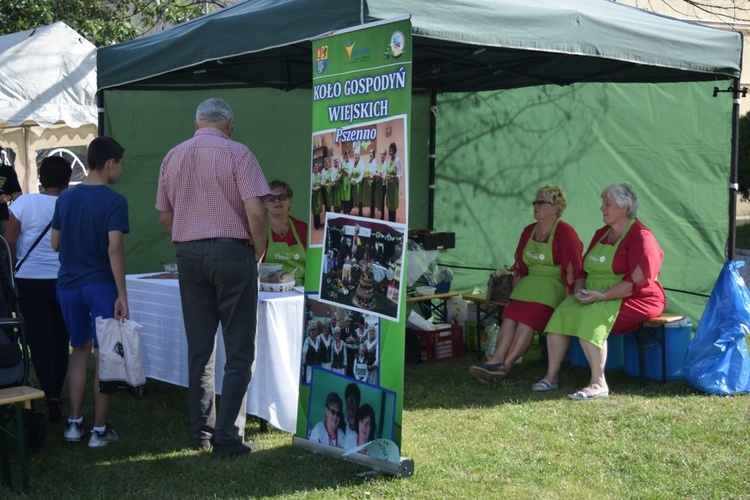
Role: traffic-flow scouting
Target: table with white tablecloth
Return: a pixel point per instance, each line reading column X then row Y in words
column 274, row 389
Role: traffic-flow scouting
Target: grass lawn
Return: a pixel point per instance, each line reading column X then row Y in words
column 467, row 440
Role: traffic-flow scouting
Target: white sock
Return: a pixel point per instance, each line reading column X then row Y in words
column 100, row 429
column 78, row 420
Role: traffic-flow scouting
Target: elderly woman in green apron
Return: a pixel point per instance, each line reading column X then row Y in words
column 547, row 261
column 393, row 173
column 316, row 198
column 379, row 184
column 287, row 236
column 617, row 289
column 357, row 174
column 345, row 184
column 327, row 178
column 369, row 171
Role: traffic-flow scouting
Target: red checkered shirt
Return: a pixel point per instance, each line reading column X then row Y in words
column 203, row 182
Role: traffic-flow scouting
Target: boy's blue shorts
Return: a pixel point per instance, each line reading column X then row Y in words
column 81, row 307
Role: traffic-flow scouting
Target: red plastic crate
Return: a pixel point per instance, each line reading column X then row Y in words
column 441, row 344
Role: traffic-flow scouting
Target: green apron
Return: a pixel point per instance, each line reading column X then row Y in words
column 357, row 184
column 345, row 181
column 317, row 195
column 379, row 190
column 336, row 178
column 544, row 283
column 290, row 257
column 391, row 190
column 367, row 185
column 330, row 190
column 592, row 322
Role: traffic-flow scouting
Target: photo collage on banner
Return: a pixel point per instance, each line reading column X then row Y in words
column 352, row 364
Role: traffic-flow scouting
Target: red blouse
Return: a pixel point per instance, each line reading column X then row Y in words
column 566, row 250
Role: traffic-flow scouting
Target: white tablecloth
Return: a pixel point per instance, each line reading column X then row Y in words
column 274, row 388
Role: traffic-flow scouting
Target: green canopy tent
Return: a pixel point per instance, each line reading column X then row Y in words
column 505, row 64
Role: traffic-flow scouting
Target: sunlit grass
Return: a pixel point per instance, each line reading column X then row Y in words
column 467, row 441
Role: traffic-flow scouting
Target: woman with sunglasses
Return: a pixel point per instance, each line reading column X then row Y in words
column 547, row 260
column 287, row 236
column 328, row 431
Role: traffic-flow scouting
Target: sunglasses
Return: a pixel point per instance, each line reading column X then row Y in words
column 539, row 203
column 335, row 413
column 278, row 197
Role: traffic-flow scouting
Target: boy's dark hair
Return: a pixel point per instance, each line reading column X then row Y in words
column 54, row 172
column 102, row 149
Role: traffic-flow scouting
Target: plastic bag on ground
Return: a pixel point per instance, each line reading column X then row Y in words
column 717, row 360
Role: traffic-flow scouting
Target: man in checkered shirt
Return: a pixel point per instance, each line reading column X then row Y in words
column 210, row 203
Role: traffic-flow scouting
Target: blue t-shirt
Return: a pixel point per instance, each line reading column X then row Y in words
column 85, row 215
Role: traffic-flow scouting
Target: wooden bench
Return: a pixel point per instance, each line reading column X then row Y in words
column 21, row 397
column 484, row 312
column 439, row 306
column 654, row 329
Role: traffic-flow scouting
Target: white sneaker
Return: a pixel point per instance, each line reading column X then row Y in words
column 99, row 439
column 73, row 432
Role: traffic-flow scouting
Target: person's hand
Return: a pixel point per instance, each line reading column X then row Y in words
column 6, row 198
column 121, row 308
column 585, row 296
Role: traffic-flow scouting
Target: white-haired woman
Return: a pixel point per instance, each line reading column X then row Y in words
column 617, row 289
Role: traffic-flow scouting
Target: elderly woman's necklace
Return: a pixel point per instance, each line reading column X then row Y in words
column 539, row 237
column 280, row 230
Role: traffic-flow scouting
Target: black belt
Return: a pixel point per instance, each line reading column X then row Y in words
column 234, row 241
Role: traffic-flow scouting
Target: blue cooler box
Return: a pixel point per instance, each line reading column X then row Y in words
column 678, row 335
column 615, row 355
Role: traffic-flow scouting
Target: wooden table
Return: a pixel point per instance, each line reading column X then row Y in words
column 437, row 303
column 484, row 312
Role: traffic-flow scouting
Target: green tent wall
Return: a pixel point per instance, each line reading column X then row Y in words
column 671, row 141
column 667, row 139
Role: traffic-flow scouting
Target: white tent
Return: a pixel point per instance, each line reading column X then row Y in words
column 47, row 94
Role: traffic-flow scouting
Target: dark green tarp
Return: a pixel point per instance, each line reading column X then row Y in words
column 459, row 45
column 671, row 141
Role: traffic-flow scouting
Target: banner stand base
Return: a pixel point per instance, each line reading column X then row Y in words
column 402, row 469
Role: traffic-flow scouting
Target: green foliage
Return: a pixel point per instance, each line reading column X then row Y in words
column 102, row 23
column 743, row 174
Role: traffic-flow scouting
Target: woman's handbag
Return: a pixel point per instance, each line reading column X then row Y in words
column 120, row 361
column 499, row 287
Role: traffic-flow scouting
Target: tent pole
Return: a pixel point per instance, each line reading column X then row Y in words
column 100, row 111
column 733, row 168
column 431, row 160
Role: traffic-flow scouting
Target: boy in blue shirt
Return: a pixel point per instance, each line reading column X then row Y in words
column 87, row 230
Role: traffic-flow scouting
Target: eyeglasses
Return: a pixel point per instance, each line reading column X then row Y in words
column 278, row 197
column 335, row 413
column 539, row 203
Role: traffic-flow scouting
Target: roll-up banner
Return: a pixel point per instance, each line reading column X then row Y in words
column 352, row 360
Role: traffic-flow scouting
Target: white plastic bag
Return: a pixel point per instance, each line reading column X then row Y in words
column 492, row 330
column 120, row 361
column 417, row 322
column 458, row 310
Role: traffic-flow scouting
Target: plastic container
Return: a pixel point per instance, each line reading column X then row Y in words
column 678, row 335
column 630, row 348
column 615, row 353
column 442, row 343
column 443, row 287
column 425, row 290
